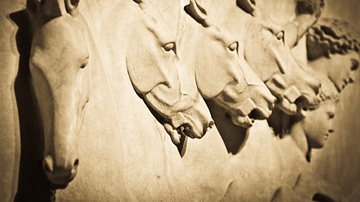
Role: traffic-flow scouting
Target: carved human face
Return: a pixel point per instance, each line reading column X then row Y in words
column 342, row 68
column 318, row 124
column 339, row 68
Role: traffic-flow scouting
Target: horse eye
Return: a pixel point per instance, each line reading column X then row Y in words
column 169, row 46
column 85, row 62
column 82, row 66
column 280, row 35
column 234, row 46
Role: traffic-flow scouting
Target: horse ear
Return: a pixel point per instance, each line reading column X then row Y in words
column 197, row 12
column 32, row 7
column 50, row 8
column 141, row 3
column 71, row 5
column 248, row 6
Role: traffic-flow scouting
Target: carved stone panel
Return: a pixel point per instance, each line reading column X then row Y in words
column 179, row 100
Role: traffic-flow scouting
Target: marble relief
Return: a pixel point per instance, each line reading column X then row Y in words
column 332, row 50
column 224, row 78
column 172, row 100
column 154, row 71
column 60, row 78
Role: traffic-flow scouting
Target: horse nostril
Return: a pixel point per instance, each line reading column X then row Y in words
column 46, row 167
column 211, row 124
column 48, row 164
column 317, row 90
column 76, row 163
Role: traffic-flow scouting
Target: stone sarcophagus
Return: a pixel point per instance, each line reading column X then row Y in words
column 179, row 100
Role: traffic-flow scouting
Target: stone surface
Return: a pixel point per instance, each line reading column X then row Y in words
column 159, row 74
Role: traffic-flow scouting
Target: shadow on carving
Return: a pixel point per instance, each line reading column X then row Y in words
column 33, row 184
column 234, row 136
column 322, row 198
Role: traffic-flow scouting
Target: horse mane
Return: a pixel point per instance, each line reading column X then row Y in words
column 246, row 6
column 50, row 9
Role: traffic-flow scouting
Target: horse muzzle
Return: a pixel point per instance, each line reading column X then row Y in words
column 60, row 173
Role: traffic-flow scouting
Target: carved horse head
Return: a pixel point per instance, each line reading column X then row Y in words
column 60, row 78
column 220, row 73
column 272, row 60
column 158, row 76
